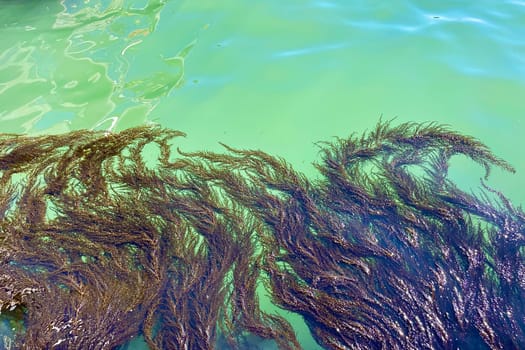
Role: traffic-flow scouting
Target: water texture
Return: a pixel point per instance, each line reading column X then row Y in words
column 272, row 75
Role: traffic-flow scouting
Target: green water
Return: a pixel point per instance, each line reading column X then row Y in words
column 273, row 75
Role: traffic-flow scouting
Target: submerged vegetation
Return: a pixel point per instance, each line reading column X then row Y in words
column 99, row 243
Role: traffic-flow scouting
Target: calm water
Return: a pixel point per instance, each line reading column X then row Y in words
column 274, row 75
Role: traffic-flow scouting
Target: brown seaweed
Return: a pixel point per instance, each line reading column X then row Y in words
column 101, row 242
column 98, row 247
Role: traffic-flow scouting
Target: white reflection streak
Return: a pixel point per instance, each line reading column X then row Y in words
column 130, row 45
column 457, row 19
column 308, row 50
column 109, row 130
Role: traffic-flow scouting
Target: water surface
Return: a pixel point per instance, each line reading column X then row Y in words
column 271, row 75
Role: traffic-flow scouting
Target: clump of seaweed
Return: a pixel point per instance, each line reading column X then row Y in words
column 97, row 245
column 385, row 251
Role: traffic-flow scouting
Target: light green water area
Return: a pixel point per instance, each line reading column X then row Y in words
column 272, row 75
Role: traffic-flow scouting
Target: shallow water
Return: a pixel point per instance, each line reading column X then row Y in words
column 272, row 75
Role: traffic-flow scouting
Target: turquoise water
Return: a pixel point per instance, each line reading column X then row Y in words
column 271, row 75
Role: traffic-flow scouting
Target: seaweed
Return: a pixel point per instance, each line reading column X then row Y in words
column 100, row 242
column 98, row 247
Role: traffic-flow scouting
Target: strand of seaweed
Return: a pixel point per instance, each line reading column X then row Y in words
column 383, row 252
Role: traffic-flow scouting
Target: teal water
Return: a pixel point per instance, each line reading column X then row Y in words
column 270, row 75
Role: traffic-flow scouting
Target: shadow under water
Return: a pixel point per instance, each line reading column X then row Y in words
column 99, row 243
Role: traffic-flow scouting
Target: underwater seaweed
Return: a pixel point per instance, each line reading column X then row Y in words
column 385, row 251
column 100, row 243
column 98, row 247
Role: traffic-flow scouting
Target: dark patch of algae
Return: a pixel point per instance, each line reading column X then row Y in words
column 97, row 245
